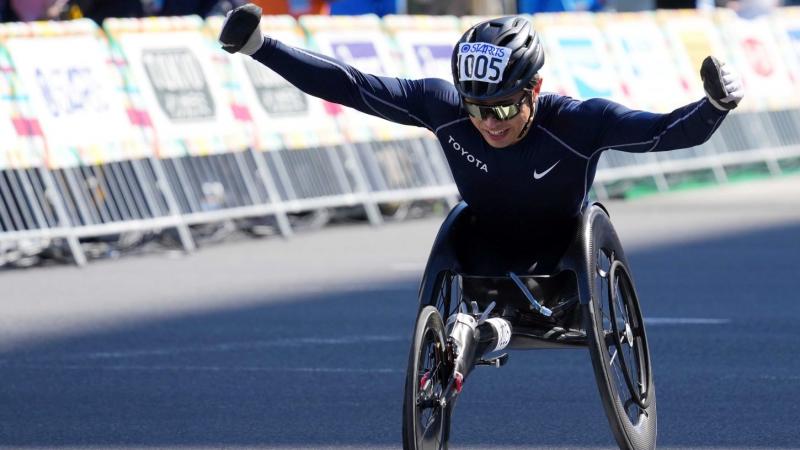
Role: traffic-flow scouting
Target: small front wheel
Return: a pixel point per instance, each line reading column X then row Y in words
column 426, row 417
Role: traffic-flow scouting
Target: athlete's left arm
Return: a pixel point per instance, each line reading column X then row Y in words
column 688, row 126
column 627, row 130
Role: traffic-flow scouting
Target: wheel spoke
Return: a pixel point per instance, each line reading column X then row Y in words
column 628, row 341
column 432, row 429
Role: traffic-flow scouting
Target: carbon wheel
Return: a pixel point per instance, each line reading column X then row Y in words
column 426, row 421
column 619, row 350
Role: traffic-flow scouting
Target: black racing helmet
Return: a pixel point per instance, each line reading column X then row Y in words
column 496, row 58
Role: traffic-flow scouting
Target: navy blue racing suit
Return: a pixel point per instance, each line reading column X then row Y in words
column 524, row 199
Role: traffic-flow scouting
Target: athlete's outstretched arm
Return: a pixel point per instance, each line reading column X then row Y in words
column 635, row 131
column 627, row 130
column 394, row 99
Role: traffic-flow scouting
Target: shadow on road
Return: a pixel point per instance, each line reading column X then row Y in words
column 328, row 369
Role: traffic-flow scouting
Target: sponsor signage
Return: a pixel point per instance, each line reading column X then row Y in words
column 75, row 98
column 178, row 83
column 172, row 71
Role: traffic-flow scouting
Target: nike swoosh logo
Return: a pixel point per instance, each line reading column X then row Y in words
column 537, row 175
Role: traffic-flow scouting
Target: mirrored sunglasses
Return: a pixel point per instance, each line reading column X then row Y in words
column 500, row 112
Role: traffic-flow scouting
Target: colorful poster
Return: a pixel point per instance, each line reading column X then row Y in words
column 282, row 115
column 170, row 67
column 644, row 62
column 79, row 106
column 756, row 55
column 786, row 28
column 20, row 147
column 578, row 51
column 360, row 42
column 426, row 43
column 692, row 36
column 17, row 146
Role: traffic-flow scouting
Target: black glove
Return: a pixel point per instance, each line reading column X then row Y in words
column 241, row 31
column 723, row 86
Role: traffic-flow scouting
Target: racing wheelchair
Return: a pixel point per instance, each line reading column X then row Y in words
column 588, row 300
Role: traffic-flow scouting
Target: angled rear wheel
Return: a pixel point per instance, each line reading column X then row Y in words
column 620, row 353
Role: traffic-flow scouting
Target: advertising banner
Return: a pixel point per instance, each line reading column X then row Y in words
column 282, row 115
column 786, row 27
column 64, row 72
column 644, row 61
column 360, row 42
column 171, row 69
column 755, row 53
column 426, row 43
column 692, row 36
column 577, row 52
column 19, row 147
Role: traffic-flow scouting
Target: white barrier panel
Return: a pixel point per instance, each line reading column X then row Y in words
column 644, row 61
column 74, row 91
column 360, row 42
column 283, row 116
column 692, row 37
column 17, row 150
column 426, row 43
column 577, row 50
column 171, row 64
column 755, row 53
column 298, row 133
column 786, row 25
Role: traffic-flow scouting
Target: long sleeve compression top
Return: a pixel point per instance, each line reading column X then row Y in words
column 546, row 175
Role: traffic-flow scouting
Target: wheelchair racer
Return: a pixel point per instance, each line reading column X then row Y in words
column 523, row 160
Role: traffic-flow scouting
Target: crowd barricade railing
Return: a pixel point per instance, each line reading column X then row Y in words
column 693, row 35
column 100, row 180
column 150, row 125
column 426, row 46
column 30, row 216
column 785, row 24
column 192, row 117
column 772, row 93
column 297, row 141
column 394, row 158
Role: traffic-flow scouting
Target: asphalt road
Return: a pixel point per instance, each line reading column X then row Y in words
column 303, row 343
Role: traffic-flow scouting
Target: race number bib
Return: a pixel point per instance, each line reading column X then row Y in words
column 480, row 61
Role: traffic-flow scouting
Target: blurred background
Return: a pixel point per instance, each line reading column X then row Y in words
column 195, row 254
column 125, row 128
column 97, row 10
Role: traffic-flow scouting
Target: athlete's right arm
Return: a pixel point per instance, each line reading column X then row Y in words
column 395, row 99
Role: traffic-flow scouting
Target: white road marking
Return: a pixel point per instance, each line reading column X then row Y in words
column 684, row 321
column 224, row 347
column 178, row 368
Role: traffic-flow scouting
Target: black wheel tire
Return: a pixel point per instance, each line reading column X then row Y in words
column 426, row 428
column 618, row 342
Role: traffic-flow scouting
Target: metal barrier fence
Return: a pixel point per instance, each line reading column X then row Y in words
column 152, row 194
column 744, row 138
column 43, row 203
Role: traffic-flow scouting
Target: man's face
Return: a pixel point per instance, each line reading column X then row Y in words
column 502, row 133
